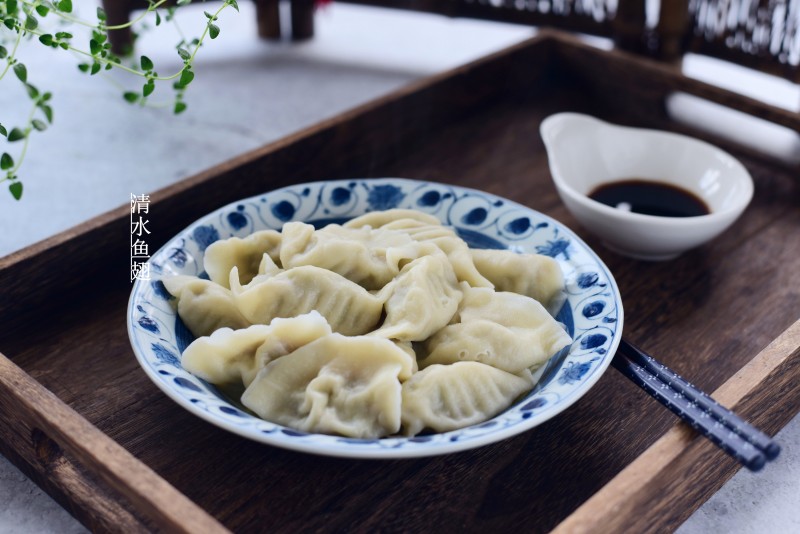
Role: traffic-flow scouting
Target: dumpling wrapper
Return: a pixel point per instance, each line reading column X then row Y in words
column 235, row 356
column 446, row 240
column 534, row 275
column 505, row 330
column 447, row 397
column 245, row 253
column 204, row 306
column 511, row 349
column 335, row 385
column 377, row 219
column 421, row 300
column 349, row 308
column 362, row 255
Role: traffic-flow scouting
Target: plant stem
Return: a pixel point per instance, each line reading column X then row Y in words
column 150, row 8
column 28, row 130
column 12, row 54
column 81, row 22
column 205, row 32
column 123, row 67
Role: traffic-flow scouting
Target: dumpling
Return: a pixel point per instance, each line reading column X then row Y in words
column 505, row 330
column 245, row 253
column 336, row 385
column 534, row 275
column 511, row 349
column 408, row 348
column 376, row 219
column 421, row 300
column 349, row 308
column 235, row 356
column 204, row 306
column 502, row 307
column 266, row 269
column 446, row 240
column 447, row 397
column 358, row 254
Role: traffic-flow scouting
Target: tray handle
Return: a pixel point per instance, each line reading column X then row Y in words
column 75, row 462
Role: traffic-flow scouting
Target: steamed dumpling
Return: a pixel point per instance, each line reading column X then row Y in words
column 422, row 299
column 427, row 229
column 204, row 306
column 446, row 240
column 447, row 397
column 335, row 385
column 376, row 219
column 245, row 253
column 534, row 275
column 505, row 330
column 235, row 356
column 511, row 349
column 349, row 308
column 358, row 254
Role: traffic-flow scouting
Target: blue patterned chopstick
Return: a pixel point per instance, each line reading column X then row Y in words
column 694, row 407
column 744, row 429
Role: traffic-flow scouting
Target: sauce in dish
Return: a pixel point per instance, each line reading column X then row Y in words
column 650, row 198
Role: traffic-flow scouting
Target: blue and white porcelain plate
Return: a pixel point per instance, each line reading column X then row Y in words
column 592, row 312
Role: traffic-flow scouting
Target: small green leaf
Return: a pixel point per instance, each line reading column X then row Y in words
column 15, row 135
column 233, row 4
column 33, row 92
column 42, row 10
column 46, row 39
column 6, row 162
column 10, row 23
column 63, row 35
column 48, row 113
column 109, row 66
column 148, row 88
column 12, row 7
column 47, row 96
column 16, row 189
column 3, row 131
column 131, row 97
column 101, row 14
column 180, row 107
column 147, row 63
column 186, row 77
column 3, row 52
column 84, row 67
column 65, row 6
column 158, row 19
column 21, row 72
column 31, row 23
column 65, row 46
column 185, row 55
column 100, row 37
column 208, row 15
column 94, row 47
column 213, row 30
column 39, row 125
column 95, row 68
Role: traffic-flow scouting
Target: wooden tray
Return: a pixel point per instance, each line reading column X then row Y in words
column 80, row 417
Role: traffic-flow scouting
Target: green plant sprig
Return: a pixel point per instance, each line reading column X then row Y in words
column 20, row 16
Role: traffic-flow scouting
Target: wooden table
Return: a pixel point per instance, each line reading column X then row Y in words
column 79, row 416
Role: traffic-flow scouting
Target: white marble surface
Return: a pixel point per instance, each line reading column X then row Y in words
column 247, row 93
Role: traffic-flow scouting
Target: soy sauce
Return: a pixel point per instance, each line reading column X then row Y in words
column 650, row 198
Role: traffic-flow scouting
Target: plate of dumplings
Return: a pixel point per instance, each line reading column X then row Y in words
column 375, row 318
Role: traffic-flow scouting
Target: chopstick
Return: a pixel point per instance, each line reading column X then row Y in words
column 748, row 445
